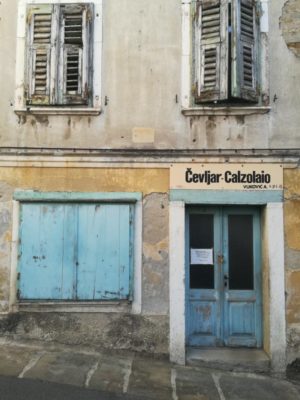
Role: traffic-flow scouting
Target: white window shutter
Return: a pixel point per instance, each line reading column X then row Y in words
column 74, row 70
column 38, row 53
column 211, row 51
column 244, row 50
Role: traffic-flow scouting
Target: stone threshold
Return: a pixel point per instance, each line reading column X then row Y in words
column 229, row 359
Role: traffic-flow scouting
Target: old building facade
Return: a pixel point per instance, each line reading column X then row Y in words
column 149, row 174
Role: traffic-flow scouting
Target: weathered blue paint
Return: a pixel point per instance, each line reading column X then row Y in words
column 242, row 308
column 46, row 249
column 226, row 197
column 220, row 316
column 203, row 305
column 74, row 251
column 32, row 195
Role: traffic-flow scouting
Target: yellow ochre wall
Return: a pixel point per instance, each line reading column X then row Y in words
column 87, row 179
column 292, row 245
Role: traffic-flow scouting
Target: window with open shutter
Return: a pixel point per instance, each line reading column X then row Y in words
column 225, row 50
column 59, row 54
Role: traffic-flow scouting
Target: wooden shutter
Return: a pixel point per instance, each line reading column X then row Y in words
column 48, row 240
column 211, row 50
column 104, row 253
column 244, row 50
column 75, row 54
column 71, row 251
column 39, row 39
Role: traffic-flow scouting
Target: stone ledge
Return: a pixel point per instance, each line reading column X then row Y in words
column 58, row 111
column 75, row 307
column 234, row 110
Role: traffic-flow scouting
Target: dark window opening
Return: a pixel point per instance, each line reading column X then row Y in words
column 201, row 237
column 240, row 247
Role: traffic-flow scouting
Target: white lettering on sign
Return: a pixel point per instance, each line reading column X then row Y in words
column 227, row 176
column 202, row 257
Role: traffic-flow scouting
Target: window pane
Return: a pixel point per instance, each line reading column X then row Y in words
column 240, row 233
column 201, row 237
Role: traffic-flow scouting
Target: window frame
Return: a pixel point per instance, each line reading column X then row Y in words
column 192, row 108
column 20, row 98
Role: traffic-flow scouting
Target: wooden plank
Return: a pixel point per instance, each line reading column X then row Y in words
column 69, row 256
column 89, row 230
column 111, row 259
column 125, row 250
column 41, row 251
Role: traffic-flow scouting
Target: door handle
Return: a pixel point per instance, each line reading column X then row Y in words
column 220, row 259
column 226, row 278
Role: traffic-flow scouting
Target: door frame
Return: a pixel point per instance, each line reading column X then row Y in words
column 273, row 292
column 217, row 295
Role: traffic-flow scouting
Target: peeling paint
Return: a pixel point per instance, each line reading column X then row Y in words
column 290, row 25
column 5, row 220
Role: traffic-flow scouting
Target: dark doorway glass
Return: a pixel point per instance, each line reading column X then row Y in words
column 240, row 235
column 201, row 237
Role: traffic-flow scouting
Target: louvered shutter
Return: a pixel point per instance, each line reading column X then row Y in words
column 244, row 50
column 211, row 50
column 39, row 39
column 75, row 54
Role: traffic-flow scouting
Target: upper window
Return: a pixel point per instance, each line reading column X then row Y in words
column 62, row 47
column 58, row 50
column 225, row 51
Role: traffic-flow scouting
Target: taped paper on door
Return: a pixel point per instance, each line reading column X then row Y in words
column 202, row 257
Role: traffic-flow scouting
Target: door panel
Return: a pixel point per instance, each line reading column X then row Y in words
column 242, row 300
column 224, row 299
column 203, row 279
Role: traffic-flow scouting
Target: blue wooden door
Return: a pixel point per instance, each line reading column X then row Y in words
column 72, row 251
column 223, row 277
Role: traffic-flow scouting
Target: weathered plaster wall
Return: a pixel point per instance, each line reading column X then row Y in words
column 146, row 332
column 142, row 79
column 155, row 254
column 290, row 23
column 284, row 78
column 87, row 179
column 5, row 242
column 292, row 259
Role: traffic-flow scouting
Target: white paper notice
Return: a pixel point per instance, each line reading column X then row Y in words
column 202, row 256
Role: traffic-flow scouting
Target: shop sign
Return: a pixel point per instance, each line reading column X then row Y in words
column 226, row 176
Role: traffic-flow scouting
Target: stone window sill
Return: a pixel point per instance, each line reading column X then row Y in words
column 75, row 307
column 58, row 111
column 232, row 110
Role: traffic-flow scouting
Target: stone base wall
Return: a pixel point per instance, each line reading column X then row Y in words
column 102, row 330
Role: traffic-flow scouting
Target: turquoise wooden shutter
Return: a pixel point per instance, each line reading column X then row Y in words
column 104, row 252
column 75, row 251
column 47, row 251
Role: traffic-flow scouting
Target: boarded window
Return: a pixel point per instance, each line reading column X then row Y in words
column 75, row 251
column 225, row 50
column 59, row 54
